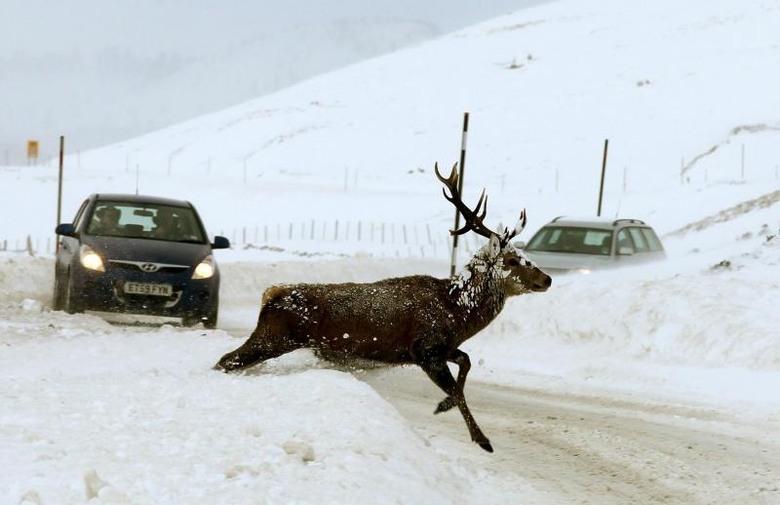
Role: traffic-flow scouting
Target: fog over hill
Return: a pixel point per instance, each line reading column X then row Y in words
column 104, row 71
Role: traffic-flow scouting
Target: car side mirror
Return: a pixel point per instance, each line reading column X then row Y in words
column 519, row 244
column 66, row 229
column 626, row 251
column 220, row 243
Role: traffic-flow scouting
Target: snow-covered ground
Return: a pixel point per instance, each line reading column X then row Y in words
column 678, row 89
column 95, row 413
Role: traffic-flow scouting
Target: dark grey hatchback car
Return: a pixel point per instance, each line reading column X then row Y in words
column 140, row 255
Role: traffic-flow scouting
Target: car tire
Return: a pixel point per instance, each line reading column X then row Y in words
column 209, row 320
column 72, row 304
column 57, row 298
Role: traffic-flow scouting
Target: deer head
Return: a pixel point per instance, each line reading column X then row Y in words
column 520, row 274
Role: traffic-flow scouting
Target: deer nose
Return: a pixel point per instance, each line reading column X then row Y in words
column 547, row 281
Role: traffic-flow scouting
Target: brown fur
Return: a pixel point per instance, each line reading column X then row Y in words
column 417, row 319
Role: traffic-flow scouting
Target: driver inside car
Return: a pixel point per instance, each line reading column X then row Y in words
column 107, row 221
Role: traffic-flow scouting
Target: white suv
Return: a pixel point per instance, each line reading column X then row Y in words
column 565, row 244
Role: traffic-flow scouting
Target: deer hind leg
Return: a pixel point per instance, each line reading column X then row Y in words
column 251, row 353
column 437, row 370
column 461, row 359
column 271, row 339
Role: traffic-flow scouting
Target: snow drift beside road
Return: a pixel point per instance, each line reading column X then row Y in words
column 127, row 415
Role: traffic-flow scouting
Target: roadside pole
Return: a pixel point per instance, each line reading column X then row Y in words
column 59, row 188
column 461, row 170
column 603, row 170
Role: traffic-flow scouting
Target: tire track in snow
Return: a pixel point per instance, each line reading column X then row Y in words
column 598, row 450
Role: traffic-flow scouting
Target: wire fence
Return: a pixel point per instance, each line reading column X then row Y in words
column 312, row 237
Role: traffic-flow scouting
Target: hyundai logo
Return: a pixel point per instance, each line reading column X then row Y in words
column 149, row 267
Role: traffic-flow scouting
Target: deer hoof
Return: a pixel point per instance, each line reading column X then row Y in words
column 485, row 444
column 228, row 364
column 445, row 405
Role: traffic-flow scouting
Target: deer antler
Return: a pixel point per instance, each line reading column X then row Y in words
column 509, row 235
column 474, row 218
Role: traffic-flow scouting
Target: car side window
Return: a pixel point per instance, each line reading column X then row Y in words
column 652, row 240
column 80, row 214
column 640, row 243
column 624, row 240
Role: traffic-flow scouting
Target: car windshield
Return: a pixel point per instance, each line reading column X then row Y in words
column 564, row 239
column 145, row 220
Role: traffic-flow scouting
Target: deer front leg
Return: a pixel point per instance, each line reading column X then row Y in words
column 437, row 370
column 461, row 359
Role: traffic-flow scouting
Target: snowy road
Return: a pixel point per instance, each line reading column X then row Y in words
column 578, row 449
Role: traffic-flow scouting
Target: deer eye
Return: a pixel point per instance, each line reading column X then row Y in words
column 513, row 262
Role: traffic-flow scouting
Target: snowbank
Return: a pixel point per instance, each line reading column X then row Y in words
column 712, row 333
column 23, row 277
column 92, row 412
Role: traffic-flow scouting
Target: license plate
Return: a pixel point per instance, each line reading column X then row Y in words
column 147, row 288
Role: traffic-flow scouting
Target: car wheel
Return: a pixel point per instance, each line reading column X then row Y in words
column 211, row 321
column 56, row 299
column 72, row 303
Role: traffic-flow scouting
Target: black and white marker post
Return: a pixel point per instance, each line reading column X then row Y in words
column 603, row 171
column 460, row 190
column 59, row 190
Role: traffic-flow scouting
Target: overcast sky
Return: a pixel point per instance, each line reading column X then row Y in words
column 100, row 71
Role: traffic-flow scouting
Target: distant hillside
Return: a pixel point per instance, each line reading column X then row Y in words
column 678, row 89
column 101, row 72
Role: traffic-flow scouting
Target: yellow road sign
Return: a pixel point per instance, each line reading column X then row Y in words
column 32, row 149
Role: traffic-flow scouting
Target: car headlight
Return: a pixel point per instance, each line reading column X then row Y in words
column 90, row 259
column 205, row 268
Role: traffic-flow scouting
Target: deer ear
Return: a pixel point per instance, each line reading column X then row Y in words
column 494, row 246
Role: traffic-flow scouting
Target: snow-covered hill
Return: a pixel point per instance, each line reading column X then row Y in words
column 678, row 89
column 150, row 63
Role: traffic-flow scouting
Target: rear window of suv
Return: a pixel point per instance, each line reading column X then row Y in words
column 652, row 240
column 570, row 239
column 145, row 220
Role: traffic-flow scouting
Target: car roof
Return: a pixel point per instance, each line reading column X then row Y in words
column 154, row 200
column 595, row 222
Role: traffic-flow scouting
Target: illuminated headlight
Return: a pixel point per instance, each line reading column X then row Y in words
column 584, row 271
column 90, row 259
column 205, row 268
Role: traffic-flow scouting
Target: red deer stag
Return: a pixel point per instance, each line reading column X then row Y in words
column 417, row 319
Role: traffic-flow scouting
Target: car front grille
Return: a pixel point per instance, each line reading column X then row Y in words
column 147, row 266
